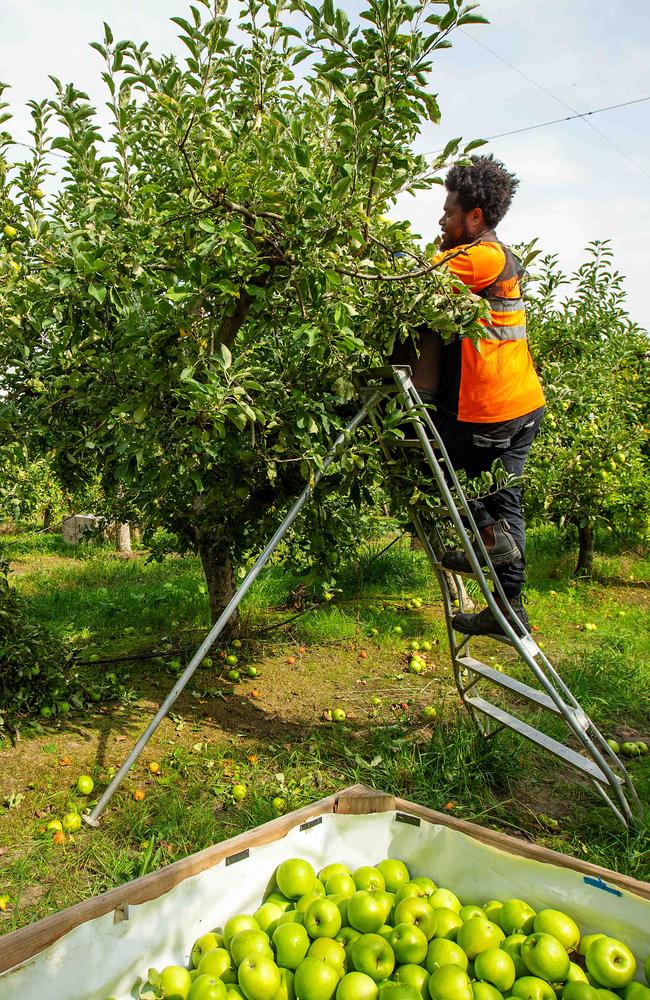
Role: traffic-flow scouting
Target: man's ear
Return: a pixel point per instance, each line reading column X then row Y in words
column 478, row 219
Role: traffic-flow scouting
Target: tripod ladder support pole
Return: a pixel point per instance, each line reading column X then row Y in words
column 93, row 818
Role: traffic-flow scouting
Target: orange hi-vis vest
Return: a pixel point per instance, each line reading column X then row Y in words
column 494, row 380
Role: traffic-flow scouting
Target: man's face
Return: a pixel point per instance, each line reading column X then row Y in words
column 454, row 223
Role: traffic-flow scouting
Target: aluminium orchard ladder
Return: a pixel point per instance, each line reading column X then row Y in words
column 596, row 760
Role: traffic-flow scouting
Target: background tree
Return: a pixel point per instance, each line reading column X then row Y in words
column 590, row 465
column 184, row 318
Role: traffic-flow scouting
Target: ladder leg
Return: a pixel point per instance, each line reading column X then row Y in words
column 215, row 631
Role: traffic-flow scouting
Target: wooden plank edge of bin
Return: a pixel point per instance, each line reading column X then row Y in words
column 21, row 945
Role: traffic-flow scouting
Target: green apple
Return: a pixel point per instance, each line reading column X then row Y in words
column 366, row 912
column 515, row 916
column 413, row 975
column 356, row 986
column 267, row 916
column 203, row 944
column 443, row 952
column 206, row 987
column 334, row 869
column 512, row 945
column 613, row 745
column 485, row 991
column 342, row 903
column 559, row 926
column 545, row 957
column 533, row 988
column 368, row 878
column 409, row 944
column 248, row 943
column 611, row 963
column 495, row 966
column 303, row 903
column 259, row 977
column 576, row 974
column 322, row 919
column 292, row 917
column 291, row 943
column 603, row 994
column 315, row 980
column 398, row 991
column 426, row 885
column 586, row 941
column 385, row 931
column 578, row 991
column 470, row 910
column 636, row 991
column 279, row 900
column 372, row 955
column 295, row 878
column 347, row 936
column 408, row 891
column 446, row 898
column 214, row 962
column 330, row 951
column 319, row 888
column 492, row 908
column 419, row 912
column 630, row 749
column 450, row 982
column 85, row 784
column 175, row 982
column 478, row 934
column 286, row 991
column 242, row 922
column 395, row 874
column 233, row 992
column 340, row 884
column 447, row 923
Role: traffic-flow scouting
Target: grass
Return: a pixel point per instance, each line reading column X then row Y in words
column 278, row 743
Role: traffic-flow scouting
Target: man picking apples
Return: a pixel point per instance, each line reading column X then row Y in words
column 488, row 399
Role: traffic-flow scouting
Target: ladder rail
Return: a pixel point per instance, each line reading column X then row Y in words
column 416, row 409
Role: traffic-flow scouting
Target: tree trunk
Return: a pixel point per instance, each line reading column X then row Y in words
column 216, row 560
column 123, row 537
column 586, row 551
column 47, row 517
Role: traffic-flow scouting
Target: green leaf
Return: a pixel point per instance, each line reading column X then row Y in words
column 226, row 357
column 98, row 292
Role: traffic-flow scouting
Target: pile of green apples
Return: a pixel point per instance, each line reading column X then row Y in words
column 378, row 933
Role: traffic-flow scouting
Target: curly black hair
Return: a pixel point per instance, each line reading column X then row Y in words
column 485, row 184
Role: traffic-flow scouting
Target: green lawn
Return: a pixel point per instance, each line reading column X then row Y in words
column 270, row 733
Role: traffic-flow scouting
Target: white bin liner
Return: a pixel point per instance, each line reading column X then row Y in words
column 102, row 958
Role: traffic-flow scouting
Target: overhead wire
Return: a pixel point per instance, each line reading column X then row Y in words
column 569, row 107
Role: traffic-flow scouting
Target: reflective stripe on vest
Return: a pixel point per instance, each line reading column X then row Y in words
column 503, row 306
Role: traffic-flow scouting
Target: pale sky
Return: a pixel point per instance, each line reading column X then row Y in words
column 575, row 186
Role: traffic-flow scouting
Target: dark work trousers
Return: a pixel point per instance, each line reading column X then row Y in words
column 473, row 448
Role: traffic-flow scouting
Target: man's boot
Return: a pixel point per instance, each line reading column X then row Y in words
column 484, row 623
column 499, row 543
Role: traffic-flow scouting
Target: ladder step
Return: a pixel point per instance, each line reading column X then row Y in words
column 584, row 764
column 511, row 683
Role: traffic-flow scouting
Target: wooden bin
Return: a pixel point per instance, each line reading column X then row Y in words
column 153, row 920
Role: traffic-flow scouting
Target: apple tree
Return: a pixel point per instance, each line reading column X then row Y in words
column 185, row 315
column 589, row 467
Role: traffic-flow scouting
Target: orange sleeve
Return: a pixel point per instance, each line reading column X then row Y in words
column 479, row 266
